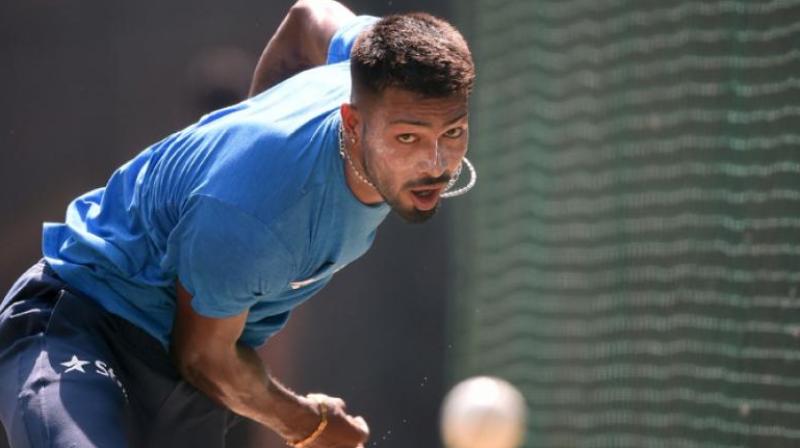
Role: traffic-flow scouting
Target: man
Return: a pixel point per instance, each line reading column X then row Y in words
column 138, row 328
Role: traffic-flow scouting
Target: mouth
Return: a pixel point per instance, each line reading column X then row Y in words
column 426, row 198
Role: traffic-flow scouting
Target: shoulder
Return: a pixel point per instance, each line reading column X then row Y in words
column 312, row 88
column 266, row 168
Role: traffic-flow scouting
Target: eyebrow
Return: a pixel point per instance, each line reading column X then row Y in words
column 426, row 123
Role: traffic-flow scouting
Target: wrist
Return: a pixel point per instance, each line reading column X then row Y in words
column 293, row 417
column 313, row 436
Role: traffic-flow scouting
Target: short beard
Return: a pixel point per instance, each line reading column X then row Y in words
column 411, row 215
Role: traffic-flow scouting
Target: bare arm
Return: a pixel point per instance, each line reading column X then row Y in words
column 208, row 356
column 301, row 42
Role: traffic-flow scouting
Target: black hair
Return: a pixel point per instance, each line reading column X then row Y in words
column 416, row 52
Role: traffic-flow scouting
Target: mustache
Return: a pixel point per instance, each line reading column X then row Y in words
column 424, row 182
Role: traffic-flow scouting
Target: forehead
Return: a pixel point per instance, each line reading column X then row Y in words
column 401, row 106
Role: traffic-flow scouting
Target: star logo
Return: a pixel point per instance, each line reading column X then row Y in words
column 74, row 364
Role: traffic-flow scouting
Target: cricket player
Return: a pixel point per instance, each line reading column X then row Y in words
column 139, row 325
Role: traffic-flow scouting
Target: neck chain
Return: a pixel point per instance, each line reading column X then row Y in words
column 346, row 155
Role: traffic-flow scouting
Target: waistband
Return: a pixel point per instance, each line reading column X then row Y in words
column 42, row 282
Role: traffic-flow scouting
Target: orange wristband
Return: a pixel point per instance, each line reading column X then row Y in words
column 323, row 423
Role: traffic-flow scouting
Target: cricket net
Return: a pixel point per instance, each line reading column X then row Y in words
column 630, row 257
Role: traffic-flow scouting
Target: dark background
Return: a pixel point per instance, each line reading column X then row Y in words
column 86, row 84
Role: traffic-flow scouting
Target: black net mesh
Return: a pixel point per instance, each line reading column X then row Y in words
column 630, row 257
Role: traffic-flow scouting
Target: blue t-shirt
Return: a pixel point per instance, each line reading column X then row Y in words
column 248, row 207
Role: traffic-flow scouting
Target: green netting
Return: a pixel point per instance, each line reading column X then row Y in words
column 630, row 257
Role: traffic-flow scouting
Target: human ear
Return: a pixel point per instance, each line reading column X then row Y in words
column 351, row 120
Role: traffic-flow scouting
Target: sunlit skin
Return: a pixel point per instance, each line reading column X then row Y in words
column 407, row 145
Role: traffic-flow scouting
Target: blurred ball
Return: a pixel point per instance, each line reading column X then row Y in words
column 483, row 412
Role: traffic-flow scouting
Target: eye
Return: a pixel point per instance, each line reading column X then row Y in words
column 407, row 138
column 454, row 133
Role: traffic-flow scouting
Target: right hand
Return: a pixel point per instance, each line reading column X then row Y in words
column 343, row 430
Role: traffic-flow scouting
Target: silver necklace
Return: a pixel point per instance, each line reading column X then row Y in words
column 346, row 155
column 445, row 194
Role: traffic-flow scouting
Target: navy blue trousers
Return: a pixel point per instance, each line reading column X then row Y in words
column 74, row 375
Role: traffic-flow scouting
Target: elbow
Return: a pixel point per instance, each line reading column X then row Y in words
column 319, row 13
column 296, row 36
column 205, row 373
column 198, row 367
column 302, row 7
column 308, row 9
column 189, row 363
column 314, row 22
column 303, row 14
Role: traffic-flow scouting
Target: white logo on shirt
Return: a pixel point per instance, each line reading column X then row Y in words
column 300, row 283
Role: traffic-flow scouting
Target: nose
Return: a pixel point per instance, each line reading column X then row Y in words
column 435, row 162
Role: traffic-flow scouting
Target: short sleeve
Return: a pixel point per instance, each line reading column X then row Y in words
column 342, row 41
column 226, row 259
